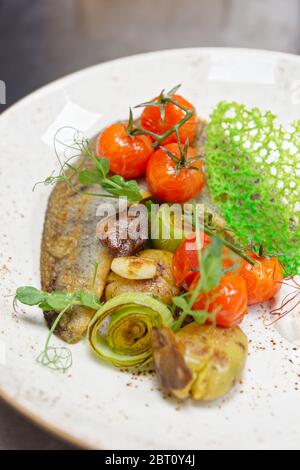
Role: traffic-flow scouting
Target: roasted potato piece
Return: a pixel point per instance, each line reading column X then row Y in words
column 160, row 286
column 200, row 360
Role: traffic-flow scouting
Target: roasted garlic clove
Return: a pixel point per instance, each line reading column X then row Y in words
column 161, row 286
column 133, row 267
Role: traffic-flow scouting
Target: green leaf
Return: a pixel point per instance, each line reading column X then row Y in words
column 211, row 265
column 89, row 300
column 45, row 306
column 59, row 300
column 102, row 166
column 117, row 186
column 180, row 302
column 30, row 295
column 87, row 177
column 200, row 316
column 117, row 180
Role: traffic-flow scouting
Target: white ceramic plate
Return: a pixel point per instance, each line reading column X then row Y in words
column 95, row 405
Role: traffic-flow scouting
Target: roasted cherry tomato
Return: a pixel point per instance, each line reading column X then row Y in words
column 228, row 300
column 152, row 121
column 263, row 279
column 128, row 155
column 185, row 263
column 185, row 260
column 170, row 183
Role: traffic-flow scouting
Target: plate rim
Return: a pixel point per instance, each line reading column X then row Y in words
column 5, row 396
column 76, row 73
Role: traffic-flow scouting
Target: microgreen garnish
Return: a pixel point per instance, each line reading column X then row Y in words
column 211, row 271
column 76, row 177
column 58, row 358
column 95, row 272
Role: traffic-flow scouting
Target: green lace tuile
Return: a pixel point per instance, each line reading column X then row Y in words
column 253, row 173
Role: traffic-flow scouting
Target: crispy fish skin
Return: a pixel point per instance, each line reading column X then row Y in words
column 72, row 258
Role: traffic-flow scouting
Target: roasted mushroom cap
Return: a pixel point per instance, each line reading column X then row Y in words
column 123, row 234
column 200, row 360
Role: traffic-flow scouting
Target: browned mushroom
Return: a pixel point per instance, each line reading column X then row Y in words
column 123, row 234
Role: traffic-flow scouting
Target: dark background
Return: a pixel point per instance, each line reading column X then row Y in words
column 41, row 40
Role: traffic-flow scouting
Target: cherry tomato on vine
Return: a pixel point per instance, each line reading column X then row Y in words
column 128, row 155
column 263, row 279
column 171, row 181
column 228, row 300
column 185, row 260
column 152, row 120
column 185, row 264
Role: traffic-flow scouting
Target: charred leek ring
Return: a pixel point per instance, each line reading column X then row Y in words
column 121, row 331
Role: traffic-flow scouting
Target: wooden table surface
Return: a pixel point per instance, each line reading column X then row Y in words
column 41, row 40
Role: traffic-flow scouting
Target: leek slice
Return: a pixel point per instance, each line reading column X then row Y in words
column 121, row 330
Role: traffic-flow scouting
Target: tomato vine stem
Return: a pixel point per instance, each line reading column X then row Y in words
column 236, row 249
column 161, row 102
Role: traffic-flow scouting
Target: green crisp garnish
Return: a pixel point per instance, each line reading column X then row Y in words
column 253, row 172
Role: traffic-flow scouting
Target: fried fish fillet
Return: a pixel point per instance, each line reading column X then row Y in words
column 72, row 258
